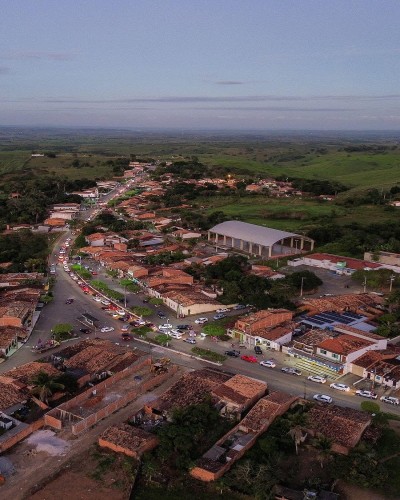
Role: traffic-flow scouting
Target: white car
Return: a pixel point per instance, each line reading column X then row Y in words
column 105, row 302
column 121, row 312
column 165, row 326
column 223, row 310
column 322, row 398
column 189, row 341
column 175, row 335
column 268, row 364
column 317, row 378
column 340, row 387
column 390, row 399
column 366, row 394
column 200, row 321
column 97, row 298
column 106, row 329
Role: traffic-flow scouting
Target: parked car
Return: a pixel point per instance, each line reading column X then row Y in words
column 105, row 302
column 106, row 329
column 390, row 399
column 249, row 359
column 340, row 387
column 84, row 330
column 257, row 349
column 69, row 301
column 322, row 398
column 268, row 364
column 125, row 328
column 219, row 316
column 97, row 298
column 291, row 371
column 232, row 353
column 174, row 335
column 161, row 315
column 184, row 327
column 239, row 306
column 200, row 321
column 222, row 310
column 317, row 378
column 189, row 341
column 367, row 394
column 165, row 326
column 146, row 301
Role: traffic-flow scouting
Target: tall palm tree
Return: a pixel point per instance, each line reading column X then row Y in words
column 44, row 386
column 324, row 448
column 296, row 433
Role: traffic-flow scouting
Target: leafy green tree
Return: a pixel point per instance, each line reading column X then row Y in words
column 323, row 445
column 156, row 302
column 44, row 386
column 214, row 329
column 142, row 311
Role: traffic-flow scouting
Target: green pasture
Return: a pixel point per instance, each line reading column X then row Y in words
column 62, row 165
column 12, row 161
column 356, row 170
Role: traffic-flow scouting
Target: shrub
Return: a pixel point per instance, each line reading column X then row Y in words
column 214, row 329
column 208, row 354
column 370, row 407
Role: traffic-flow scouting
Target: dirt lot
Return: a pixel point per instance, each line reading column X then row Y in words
column 35, row 470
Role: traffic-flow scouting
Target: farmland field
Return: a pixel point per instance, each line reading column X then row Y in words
column 12, row 161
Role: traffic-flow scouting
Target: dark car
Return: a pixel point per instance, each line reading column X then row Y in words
column 161, row 315
column 127, row 337
column 84, row 330
column 257, row 349
column 184, row 327
column 69, row 301
column 233, row 353
column 145, row 301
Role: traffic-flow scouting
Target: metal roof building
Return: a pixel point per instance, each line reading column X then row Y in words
column 258, row 240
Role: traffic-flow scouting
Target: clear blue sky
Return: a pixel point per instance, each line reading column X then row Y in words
column 228, row 64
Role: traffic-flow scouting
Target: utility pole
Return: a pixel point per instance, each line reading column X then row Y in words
column 301, row 287
column 392, row 278
column 365, row 284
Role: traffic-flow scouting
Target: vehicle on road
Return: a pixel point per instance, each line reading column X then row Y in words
column 322, row 398
column 189, row 341
column 165, row 326
column 126, row 337
column 390, row 399
column 219, row 316
column 69, row 301
column 125, row 328
column 84, row 330
column 200, row 321
column 222, row 310
column 291, row 371
column 161, row 315
column 107, row 329
column 317, row 378
column 238, row 307
column 268, row 364
column 367, row 394
column 340, row 387
column 97, row 298
column 232, row 353
column 146, row 301
column 105, row 302
column 257, row 349
column 184, row 327
column 249, row 359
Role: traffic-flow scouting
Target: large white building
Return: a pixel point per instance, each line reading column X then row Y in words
column 258, row 240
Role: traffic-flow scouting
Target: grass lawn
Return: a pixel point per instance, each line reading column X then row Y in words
column 62, row 166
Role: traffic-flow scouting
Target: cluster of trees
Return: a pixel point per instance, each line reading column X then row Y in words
column 26, row 251
column 195, row 220
column 318, row 187
column 354, row 239
column 239, row 286
column 164, row 258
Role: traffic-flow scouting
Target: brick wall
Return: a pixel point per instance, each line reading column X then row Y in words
column 148, row 445
column 22, row 435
